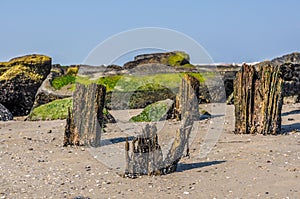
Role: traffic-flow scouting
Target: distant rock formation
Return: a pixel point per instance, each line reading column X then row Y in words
column 293, row 58
column 176, row 58
column 5, row 114
column 20, row 79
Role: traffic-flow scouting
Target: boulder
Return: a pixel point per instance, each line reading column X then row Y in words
column 143, row 96
column 46, row 93
column 291, row 84
column 157, row 111
column 5, row 114
column 289, row 58
column 20, row 79
column 58, row 109
column 176, row 58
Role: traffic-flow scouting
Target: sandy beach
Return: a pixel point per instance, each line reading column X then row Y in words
column 34, row 164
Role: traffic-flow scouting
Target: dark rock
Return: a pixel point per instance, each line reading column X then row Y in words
column 5, row 114
column 46, row 93
column 114, row 67
column 20, row 79
column 291, row 77
column 137, row 99
column 289, row 58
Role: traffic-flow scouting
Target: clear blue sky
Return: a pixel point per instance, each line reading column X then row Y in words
column 231, row 31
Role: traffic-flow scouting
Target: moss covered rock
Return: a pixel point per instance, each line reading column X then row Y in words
column 154, row 112
column 59, row 84
column 179, row 58
column 20, row 79
column 57, row 109
column 175, row 59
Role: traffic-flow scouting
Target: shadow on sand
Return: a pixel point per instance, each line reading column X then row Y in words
column 291, row 113
column 189, row 166
column 115, row 140
column 290, row 127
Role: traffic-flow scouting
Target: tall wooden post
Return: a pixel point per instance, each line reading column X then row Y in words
column 258, row 99
column 84, row 124
column 187, row 98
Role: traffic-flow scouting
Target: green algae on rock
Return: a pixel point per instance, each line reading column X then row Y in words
column 57, row 109
column 154, row 112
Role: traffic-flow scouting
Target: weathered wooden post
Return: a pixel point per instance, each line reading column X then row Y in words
column 146, row 155
column 84, row 124
column 189, row 88
column 258, row 99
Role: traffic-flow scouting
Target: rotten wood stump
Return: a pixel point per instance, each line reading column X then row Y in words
column 258, row 99
column 84, row 122
column 146, row 157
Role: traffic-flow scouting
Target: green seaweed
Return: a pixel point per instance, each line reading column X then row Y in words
column 179, row 59
column 72, row 71
column 129, row 83
column 59, row 82
column 57, row 109
column 153, row 112
column 109, row 81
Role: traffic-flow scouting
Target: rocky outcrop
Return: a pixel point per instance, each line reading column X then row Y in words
column 137, row 99
column 46, row 93
column 291, row 76
column 291, row 84
column 20, row 79
column 5, row 114
column 114, row 67
column 176, row 58
column 293, row 58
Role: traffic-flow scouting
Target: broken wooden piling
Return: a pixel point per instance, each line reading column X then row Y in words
column 258, row 99
column 84, row 122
